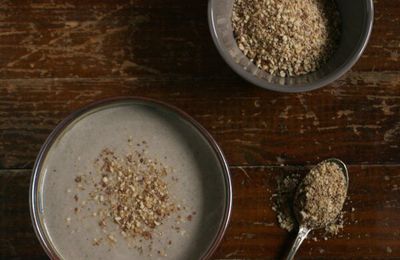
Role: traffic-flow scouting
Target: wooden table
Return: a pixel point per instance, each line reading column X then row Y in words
column 57, row 56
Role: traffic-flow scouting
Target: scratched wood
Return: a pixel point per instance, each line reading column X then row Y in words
column 118, row 38
column 57, row 56
column 372, row 230
column 355, row 119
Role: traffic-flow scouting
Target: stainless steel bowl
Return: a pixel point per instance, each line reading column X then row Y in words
column 357, row 20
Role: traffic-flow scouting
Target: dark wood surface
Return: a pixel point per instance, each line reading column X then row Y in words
column 57, row 56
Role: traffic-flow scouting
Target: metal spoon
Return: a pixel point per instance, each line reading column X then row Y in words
column 304, row 230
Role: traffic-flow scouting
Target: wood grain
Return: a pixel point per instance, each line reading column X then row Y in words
column 104, row 38
column 57, row 56
column 372, row 230
column 356, row 118
column 17, row 238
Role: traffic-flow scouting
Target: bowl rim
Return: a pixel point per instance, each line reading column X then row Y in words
column 327, row 79
column 58, row 130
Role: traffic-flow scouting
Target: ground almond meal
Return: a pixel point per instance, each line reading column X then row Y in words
column 283, row 202
column 320, row 197
column 286, row 37
column 130, row 191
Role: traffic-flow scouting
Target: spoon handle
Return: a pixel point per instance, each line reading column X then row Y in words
column 303, row 232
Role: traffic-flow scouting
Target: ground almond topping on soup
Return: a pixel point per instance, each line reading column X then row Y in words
column 132, row 194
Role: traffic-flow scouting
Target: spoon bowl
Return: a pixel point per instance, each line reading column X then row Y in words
column 303, row 229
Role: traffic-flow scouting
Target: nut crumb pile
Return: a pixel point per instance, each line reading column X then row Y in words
column 130, row 195
column 283, row 201
column 321, row 195
column 134, row 193
column 286, row 37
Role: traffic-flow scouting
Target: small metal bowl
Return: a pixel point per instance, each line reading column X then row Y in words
column 357, row 20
